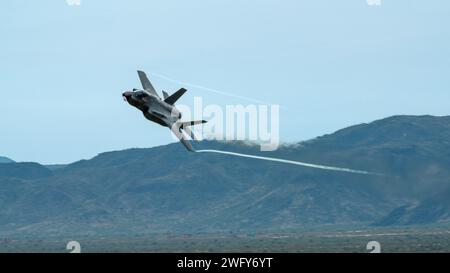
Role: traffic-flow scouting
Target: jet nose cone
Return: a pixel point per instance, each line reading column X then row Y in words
column 126, row 95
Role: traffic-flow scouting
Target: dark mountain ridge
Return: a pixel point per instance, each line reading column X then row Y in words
column 166, row 189
column 4, row 159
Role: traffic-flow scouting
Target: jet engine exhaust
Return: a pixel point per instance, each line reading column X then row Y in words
column 285, row 161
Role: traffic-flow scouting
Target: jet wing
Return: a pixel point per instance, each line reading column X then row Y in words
column 146, row 84
column 177, row 131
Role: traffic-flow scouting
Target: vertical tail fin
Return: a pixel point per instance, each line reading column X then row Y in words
column 175, row 96
column 165, row 95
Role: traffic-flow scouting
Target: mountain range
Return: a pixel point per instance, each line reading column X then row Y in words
column 166, row 189
column 5, row 160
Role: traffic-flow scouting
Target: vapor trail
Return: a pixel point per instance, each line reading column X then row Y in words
column 309, row 165
column 209, row 89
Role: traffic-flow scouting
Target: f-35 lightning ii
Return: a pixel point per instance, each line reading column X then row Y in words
column 161, row 111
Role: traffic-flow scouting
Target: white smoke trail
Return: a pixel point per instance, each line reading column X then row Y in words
column 309, row 165
column 209, row 89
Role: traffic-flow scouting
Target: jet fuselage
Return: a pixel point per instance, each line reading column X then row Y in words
column 161, row 111
column 153, row 108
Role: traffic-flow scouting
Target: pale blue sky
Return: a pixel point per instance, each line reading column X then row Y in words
column 329, row 63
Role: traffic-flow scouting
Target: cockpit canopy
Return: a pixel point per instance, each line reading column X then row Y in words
column 140, row 94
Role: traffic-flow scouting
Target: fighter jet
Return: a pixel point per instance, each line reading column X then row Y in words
column 161, row 111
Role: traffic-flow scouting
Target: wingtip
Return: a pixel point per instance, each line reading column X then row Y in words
column 190, row 148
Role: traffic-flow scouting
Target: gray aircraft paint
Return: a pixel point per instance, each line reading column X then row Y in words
column 161, row 111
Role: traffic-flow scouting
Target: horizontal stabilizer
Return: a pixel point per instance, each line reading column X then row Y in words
column 191, row 123
column 175, row 96
column 176, row 129
column 185, row 127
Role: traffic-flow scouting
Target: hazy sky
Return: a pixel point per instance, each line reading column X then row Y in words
column 328, row 63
